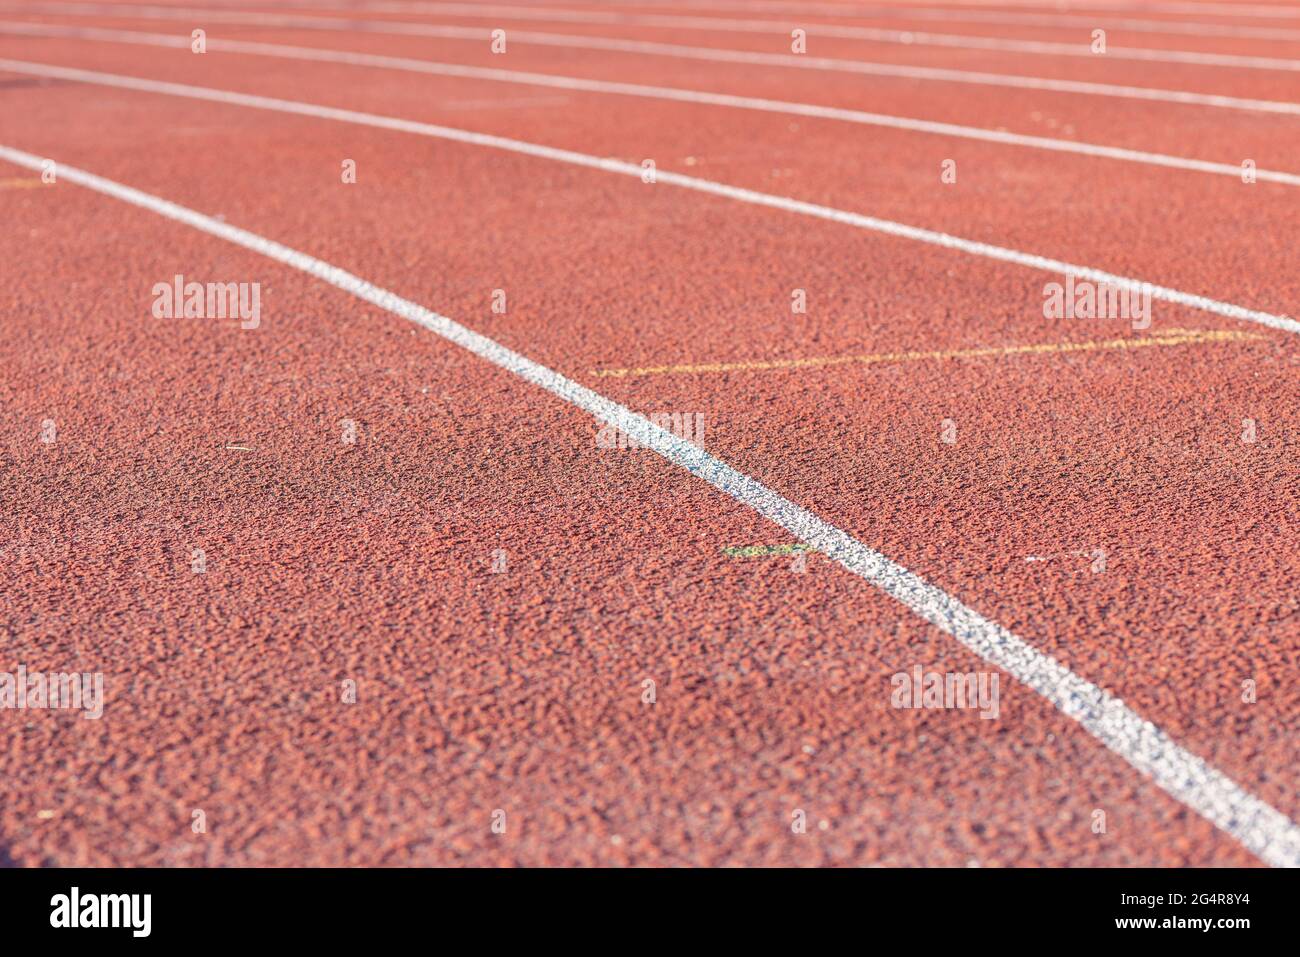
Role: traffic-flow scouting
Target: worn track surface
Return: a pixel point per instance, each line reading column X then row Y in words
column 500, row 588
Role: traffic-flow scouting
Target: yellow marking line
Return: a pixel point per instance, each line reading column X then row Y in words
column 238, row 448
column 762, row 551
column 1171, row 337
column 21, row 183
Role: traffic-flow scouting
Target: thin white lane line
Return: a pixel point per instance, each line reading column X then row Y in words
column 1273, row 12
column 1265, row 11
column 1091, row 21
column 721, row 55
column 1261, row 828
column 775, row 28
column 653, row 92
column 780, row 29
column 1106, row 19
column 740, row 194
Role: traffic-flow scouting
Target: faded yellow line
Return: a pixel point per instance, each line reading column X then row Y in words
column 762, row 551
column 1171, row 337
column 21, row 184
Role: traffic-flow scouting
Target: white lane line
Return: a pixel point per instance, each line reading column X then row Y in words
column 781, row 28
column 1108, row 20
column 722, row 55
column 652, row 92
column 740, row 194
column 1089, row 22
column 1265, row 11
column 1261, row 828
column 1250, row 10
column 1271, row 12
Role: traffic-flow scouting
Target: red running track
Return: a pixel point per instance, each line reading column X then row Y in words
column 523, row 691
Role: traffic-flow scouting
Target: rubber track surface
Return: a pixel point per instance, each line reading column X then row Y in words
column 522, row 691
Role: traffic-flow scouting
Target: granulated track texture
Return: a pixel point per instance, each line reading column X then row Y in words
column 361, row 596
